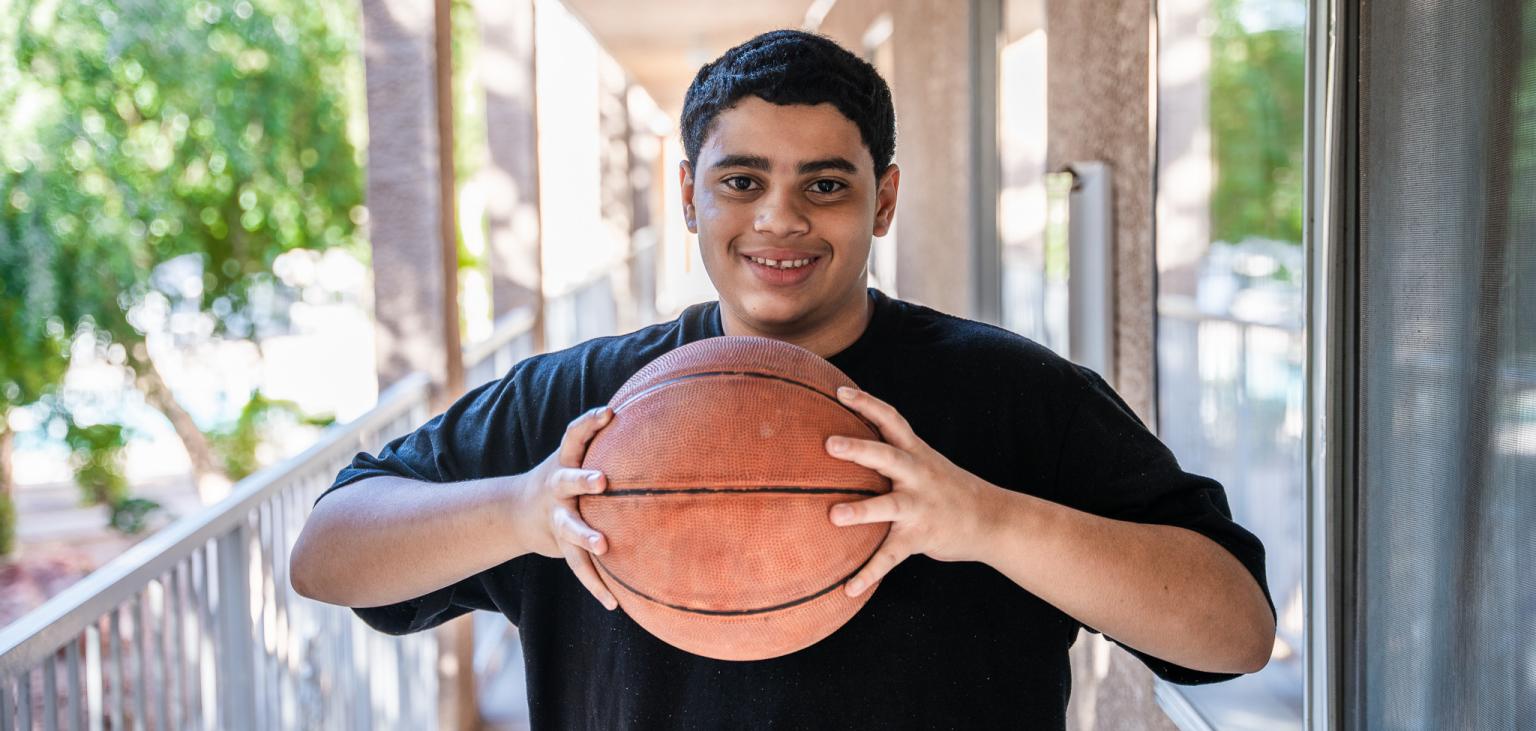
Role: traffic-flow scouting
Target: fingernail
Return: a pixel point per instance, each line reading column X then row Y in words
column 841, row 514
column 845, row 393
column 611, row 604
column 855, row 586
column 604, row 415
column 594, row 477
column 593, row 539
column 837, row 444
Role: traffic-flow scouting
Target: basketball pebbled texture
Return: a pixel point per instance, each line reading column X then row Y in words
column 719, row 486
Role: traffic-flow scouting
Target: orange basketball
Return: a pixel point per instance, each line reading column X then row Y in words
column 719, row 487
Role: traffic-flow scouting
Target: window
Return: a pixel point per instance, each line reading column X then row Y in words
column 1231, row 343
column 1031, row 230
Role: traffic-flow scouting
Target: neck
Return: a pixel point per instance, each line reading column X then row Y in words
column 825, row 338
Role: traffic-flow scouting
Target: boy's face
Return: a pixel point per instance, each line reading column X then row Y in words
column 785, row 201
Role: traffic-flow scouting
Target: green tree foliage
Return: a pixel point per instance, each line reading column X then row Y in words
column 138, row 132
column 163, row 129
column 237, row 443
column 1256, row 116
column 7, row 524
column 96, row 454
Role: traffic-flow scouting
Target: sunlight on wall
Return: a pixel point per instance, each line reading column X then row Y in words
column 570, row 64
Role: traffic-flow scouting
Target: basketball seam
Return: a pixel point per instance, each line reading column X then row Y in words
column 751, row 374
column 741, row 612
column 712, row 490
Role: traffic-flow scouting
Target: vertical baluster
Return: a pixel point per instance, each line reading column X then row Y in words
column 5, row 703
column 141, row 675
column 275, row 643
column 72, row 664
column 24, row 700
column 50, row 694
column 163, row 674
column 280, row 603
column 115, row 666
column 95, row 709
column 237, row 700
column 301, row 612
column 207, row 665
column 263, row 657
column 178, row 642
column 192, row 639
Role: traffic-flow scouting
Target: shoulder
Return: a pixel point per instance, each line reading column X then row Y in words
column 963, row 345
column 584, row 370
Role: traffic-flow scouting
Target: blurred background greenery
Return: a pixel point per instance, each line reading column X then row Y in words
column 157, row 159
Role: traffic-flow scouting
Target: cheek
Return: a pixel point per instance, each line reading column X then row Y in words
column 848, row 231
column 719, row 219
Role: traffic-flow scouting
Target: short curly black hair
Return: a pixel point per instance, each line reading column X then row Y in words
column 793, row 67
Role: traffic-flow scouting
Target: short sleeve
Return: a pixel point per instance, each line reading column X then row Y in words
column 1112, row 465
column 477, row 436
column 430, row 610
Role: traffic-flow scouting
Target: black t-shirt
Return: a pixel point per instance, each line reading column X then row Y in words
column 939, row 644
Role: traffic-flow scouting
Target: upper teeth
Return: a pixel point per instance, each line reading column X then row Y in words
column 781, row 263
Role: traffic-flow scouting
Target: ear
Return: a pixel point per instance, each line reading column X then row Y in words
column 685, row 178
column 885, row 199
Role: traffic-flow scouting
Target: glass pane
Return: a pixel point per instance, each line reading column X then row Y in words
column 1231, row 343
column 1034, row 291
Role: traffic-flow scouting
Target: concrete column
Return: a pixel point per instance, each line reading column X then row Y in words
column 1101, row 106
column 1101, row 76
column 936, row 258
column 415, row 294
column 511, row 174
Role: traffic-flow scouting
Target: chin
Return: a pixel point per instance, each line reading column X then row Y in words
column 771, row 312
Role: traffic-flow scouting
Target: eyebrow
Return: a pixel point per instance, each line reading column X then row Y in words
column 758, row 162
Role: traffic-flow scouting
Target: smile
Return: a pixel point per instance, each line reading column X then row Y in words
column 784, row 268
column 782, row 263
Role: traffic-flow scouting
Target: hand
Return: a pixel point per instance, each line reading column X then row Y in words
column 934, row 507
column 546, row 508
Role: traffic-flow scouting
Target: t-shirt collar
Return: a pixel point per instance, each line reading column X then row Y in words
column 879, row 319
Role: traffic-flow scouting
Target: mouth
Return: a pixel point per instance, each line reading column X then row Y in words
column 782, row 269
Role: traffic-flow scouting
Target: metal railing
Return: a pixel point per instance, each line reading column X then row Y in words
column 198, row 627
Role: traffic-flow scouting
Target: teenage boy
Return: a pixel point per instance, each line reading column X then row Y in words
column 1028, row 500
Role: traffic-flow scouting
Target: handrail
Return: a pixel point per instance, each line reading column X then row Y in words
column 508, row 327
column 40, row 633
column 1184, row 308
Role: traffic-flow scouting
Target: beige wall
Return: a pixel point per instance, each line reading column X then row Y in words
column 1101, row 108
column 931, row 87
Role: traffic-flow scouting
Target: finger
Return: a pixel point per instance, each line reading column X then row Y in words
column 581, row 565
column 884, row 458
column 893, row 426
column 884, row 509
column 571, row 529
column 573, row 446
column 885, row 559
column 573, row 481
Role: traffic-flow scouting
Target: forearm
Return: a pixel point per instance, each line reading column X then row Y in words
column 388, row 539
column 1166, row 591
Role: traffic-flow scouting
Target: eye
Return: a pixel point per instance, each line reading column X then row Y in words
column 739, row 183
column 828, row 186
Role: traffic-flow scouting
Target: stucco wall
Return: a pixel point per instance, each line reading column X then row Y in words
column 931, row 87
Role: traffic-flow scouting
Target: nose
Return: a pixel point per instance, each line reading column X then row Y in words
column 778, row 214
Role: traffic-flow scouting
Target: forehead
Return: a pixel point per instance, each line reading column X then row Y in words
column 788, row 134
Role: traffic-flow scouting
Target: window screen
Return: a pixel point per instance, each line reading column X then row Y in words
column 1447, row 411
